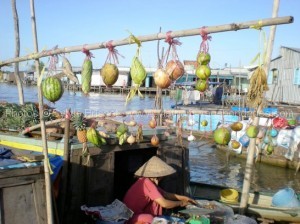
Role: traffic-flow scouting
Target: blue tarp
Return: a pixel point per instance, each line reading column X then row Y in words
column 7, row 163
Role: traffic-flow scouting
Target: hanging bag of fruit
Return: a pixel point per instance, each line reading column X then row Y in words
column 86, row 72
column 203, row 70
column 52, row 87
column 174, row 68
column 137, row 71
column 109, row 71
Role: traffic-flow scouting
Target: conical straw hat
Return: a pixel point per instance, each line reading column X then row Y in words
column 155, row 167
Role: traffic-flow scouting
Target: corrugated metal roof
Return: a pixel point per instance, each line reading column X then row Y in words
column 293, row 49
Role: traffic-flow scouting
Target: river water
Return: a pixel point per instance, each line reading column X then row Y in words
column 207, row 164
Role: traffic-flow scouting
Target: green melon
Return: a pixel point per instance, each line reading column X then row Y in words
column 110, row 74
column 222, row 136
column 52, row 89
column 203, row 72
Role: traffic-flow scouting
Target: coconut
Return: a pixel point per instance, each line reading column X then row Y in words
column 252, row 131
column 203, row 72
column 222, row 136
column 203, row 58
column 235, row 144
column 109, row 73
column 175, row 69
column 161, row 79
column 236, row 126
column 201, row 85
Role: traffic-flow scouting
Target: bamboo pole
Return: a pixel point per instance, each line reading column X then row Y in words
column 156, row 36
column 42, row 122
column 65, row 169
column 17, row 52
column 252, row 144
column 152, row 112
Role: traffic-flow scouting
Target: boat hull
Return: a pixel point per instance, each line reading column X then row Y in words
column 259, row 203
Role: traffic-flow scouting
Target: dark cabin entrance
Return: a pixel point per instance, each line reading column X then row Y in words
column 126, row 163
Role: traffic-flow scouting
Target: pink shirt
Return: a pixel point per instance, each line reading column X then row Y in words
column 140, row 197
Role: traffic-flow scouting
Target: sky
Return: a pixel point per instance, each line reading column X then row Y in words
column 74, row 23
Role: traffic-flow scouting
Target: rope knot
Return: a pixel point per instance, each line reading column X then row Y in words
column 204, row 47
column 112, row 53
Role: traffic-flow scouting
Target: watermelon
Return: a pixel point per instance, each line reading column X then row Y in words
column 52, row 89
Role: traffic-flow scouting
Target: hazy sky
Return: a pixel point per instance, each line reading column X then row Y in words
column 71, row 23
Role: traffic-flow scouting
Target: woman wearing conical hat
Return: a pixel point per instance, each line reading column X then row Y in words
column 146, row 199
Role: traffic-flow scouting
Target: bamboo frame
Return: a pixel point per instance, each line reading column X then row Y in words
column 49, row 203
column 156, row 36
column 147, row 112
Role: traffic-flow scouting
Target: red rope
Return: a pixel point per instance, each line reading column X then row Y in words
column 112, row 53
column 87, row 52
column 204, row 47
column 172, row 44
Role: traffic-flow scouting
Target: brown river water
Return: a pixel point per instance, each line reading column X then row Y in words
column 207, row 164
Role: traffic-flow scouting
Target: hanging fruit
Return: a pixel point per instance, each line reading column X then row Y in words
column 201, row 85
column 152, row 123
column 162, row 79
column 236, row 126
column 203, row 58
column 222, row 136
column 235, row 144
column 86, row 72
column 131, row 139
column 138, row 72
column 94, row 137
column 52, row 89
column 203, row 72
column 252, row 131
column 109, row 73
column 191, row 137
column 154, row 140
column 175, row 69
column 204, row 123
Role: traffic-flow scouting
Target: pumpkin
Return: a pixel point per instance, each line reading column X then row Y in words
column 162, row 79
column 175, row 69
column 109, row 73
column 222, row 136
column 52, row 89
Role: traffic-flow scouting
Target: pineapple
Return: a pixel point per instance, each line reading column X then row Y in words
column 79, row 124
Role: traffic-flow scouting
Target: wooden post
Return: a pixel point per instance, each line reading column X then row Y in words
column 252, row 144
column 17, row 52
column 65, row 165
column 49, row 206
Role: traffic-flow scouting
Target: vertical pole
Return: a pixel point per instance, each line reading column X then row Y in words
column 65, row 164
column 43, row 128
column 252, row 144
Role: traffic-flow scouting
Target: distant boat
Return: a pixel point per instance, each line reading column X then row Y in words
column 259, row 203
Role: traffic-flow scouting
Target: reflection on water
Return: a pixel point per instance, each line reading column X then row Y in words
column 209, row 165
column 206, row 163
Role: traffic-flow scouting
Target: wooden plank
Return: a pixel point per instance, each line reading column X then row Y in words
column 18, row 205
column 20, row 172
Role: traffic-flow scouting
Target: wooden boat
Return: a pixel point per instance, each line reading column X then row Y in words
column 259, row 203
column 34, row 144
column 276, row 159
